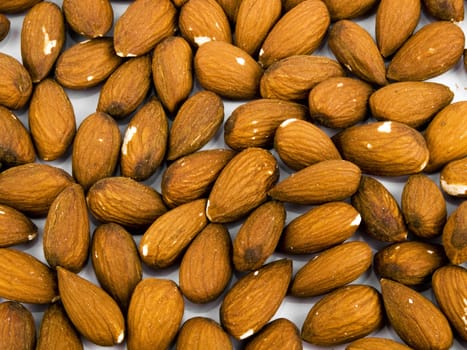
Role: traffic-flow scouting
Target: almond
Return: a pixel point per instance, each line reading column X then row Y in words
column 242, row 185
column 201, row 21
column 169, row 235
column 258, row 236
column 448, row 10
column 142, row 25
column 299, row 31
column 319, row 228
column 57, row 331
column 331, row 269
column 450, row 289
column 203, row 333
column 293, row 77
column 26, row 279
column 355, row 49
column 381, row 214
column 86, row 64
column 343, row 315
column 197, row 121
column 14, row 6
column 340, row 9
column 230, row 8
column 453, row 178
column 96, row 149
column 91, row 310
column 300, row 144
column 410, row 102
column 15, row 141
column 414, row 318
column 126, row 88
column 66, row 232
column 172, row 71
column 4, row 26
column 116, row 262
column 454, row 235
column 395, row 22
column 126, row 202
column 254, row 123
column 17, row 328
column 384, row 148
column 423, row 206
column 89, row 18
column 370, row 343
column 325, row 181
column 16, row 84
column 254, row 20
column 206, row 268
column 51, row 120
column 431, row 51
column 144, row 142
column 15, row 227
column 254, row 299
column 339, row 102
column 31, row 188
column 278, row 334
column 227, row 70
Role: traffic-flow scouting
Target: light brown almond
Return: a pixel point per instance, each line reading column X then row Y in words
column 278, row 334
column 14, row 6
column 17, row 328
column 447, row 10
column 341, row 9
column 89, row 18
column 454, row 235
column 4, row 26
column 15, row 227
column 16, row 84
column 453, row 178
column 370, row 343
column 203, row 333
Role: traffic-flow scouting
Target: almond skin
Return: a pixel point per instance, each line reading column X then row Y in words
column 15, row 227
column 255, row 298
column 341, row 9
column 17, row 328
column 4, row 26
column 14, row 6
column 447, row 10
column 278, row 334
column 16, row 84
column 230, row 7
column 206, row 268
column 439, row 45
column 414, row 318
column 370, row 343
column 89, row 18
column 242, row 185
column 454, row 235
column 453, row 178
column 203, row 333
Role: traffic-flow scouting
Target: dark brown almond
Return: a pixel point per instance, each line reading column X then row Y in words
column 447, row 10
column 14, row 6
column 278, row 334
column 16, row 84
column 15, row 227
column 455, row 235
column 89, row 18
column 17, row 328
column 203, row 333
column 4, row 26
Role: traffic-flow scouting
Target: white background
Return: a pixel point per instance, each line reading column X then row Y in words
column 85, row 102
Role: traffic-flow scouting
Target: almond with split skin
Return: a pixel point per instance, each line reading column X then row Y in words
column 15, row 227
column 4, row 26
column 51, row 120
column 17, row 328
column 299, row 31
column 142, row 25
column 255, row 298
column 26, row 279
column 341, row 9
column 278, row 334
column 242, row 185
column 144, row 141
column 16, row 84
column 370, row 343
column 447, row 10
column 453, row 178
column 15, row 6
column 88, row 18
column 91, row 310
column 454, row 235
column 325, row 181
column 203, row 333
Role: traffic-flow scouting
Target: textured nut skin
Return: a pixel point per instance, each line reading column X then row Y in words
column 370, row 343
column 454, row 235
column 4, row 26
column 203, row 333
column 453, row 178
column 17, row 328
column 14, row 6
column 15, row 227
column 89, row 18
column 280, row 333
column 16, row 84
column 339, row 9
column 447, row 10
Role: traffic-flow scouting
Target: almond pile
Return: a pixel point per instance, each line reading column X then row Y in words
column 253, row 174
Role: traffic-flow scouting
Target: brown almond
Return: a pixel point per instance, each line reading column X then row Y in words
column 343, row 315
column 447, row 10
column 126, row 87
column 15, row 227
column 31, row 188
column 258, row 236
column 254, row 123
column 453, row 178
column 91, row 310
column 17, row 327
column 86, row 64
column 16, row 84
column 341, row 9
column 168, row 236
column 325, row 181
column 155, row 314
column 370, row 343
column 339, row 102
column 197, row 121
column 88, row 18
column 331, row 269
column 51, row 120
column 384, row 148
column 26, row 279
column 300, row 144
column 172, row 71
column 454, row 235
column 423, row 206
column 206, row 268
column 278, row 334
column 439, row 45
column 299, row 31
column 230, row 8
column 144, row 141
column 414, row 318
column 201, row 21
column 381, row 215
column 242, row 185
column 126, row 202
column 355, row 49
column 15, row 6
column 395, row 22
column 203, row 333
column 293, row 77
column 227, row 70
column 116, row 262
column 66, row 237
column 142, row 25
column 255, row 298
column 96, row 149
column 4, row 26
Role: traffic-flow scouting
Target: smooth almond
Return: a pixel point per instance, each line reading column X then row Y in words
column 280, row 333
column 15, row 227
column 16, row 84
column 453, row 178
column 454, row 232
column 17, row 327
column 89, row 18
column 203, row 333
column 450, row 10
